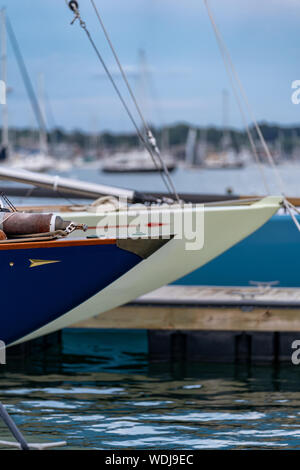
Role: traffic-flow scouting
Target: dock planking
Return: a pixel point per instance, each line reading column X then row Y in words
column 256, row 324
column 257, row 308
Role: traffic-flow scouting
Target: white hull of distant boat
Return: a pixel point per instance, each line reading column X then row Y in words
column 136, row 162
column 224, row 226
column 223, row 160
column 37, row 162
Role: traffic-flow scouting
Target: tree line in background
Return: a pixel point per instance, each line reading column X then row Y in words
column 174, row 136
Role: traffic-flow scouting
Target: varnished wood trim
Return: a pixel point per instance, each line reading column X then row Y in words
column 56, row 244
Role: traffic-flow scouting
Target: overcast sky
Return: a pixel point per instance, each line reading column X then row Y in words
column 185, row 72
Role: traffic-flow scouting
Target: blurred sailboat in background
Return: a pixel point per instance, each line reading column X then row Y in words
column 200, row 154
column 38, row 159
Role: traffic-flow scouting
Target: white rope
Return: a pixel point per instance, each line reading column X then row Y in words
column 289, row 207
column 292, row 206
column 227, row 59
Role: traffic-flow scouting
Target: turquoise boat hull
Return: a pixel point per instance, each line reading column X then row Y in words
column 271, row 254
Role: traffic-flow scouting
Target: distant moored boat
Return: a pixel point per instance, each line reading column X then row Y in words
column 137, row 161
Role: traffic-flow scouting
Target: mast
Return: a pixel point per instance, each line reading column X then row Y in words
column 4, row 137
column 165, row 140
column 190, row 146
column 201, row 150
column 42, row 129
column 39, row 115
column 225, row 120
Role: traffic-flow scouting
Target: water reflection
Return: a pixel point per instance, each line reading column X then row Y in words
column 100, row 391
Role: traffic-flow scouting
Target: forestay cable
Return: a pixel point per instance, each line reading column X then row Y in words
column 244, row 119
column 150, row 145
column 122, row 71
column 227, row 59
column 150, row 136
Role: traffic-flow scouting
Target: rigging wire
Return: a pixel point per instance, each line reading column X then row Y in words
column 8, row 202
column 244, row 119
column 248, row 131
column 290, row 208
column 151, row 138
column 150, row 145
column 227, row 59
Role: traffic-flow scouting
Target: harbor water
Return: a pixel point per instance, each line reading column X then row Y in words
column 101, row 392
column 245, row 181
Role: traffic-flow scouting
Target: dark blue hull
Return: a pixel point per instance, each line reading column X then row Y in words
column 42, row 282
column 272, row 253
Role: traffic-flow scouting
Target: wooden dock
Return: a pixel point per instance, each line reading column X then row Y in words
column 257, row 308
column 228, row 324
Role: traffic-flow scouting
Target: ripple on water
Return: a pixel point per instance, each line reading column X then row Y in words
column 121, row 401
